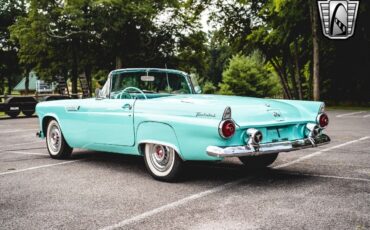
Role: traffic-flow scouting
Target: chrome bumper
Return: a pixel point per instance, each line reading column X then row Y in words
column 275, row 147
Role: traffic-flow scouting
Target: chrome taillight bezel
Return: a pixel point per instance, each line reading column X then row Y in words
column 322, row 116
column 221, row 125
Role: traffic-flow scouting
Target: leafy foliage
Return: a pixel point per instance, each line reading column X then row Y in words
column 248, row 76
column 9, row 68
column 84, row 36
column 92, row 37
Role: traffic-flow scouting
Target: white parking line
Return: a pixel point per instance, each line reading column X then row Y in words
column 25, row 143
column 366, row 116
column 27, row 153
column 320, row 152
column 327, row 176
column 214, row 190
column 17, row 131
column 173, row 205
column 349, row 114
column 39, row 167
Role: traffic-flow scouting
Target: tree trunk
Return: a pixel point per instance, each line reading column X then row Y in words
column 2, row 86
column 64, row 73
column 119, row 64
column 297, row 70
column 74, row 74
column 27, row 82
column 282, row 78
column 310, row 83
column 285, row 77
column 315, row 45
column 293, row 77
column 9, row 84
column 88, row 78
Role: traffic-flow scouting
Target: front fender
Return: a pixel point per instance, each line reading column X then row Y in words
column 158, row 133
column 43, row 127
column 44, row 122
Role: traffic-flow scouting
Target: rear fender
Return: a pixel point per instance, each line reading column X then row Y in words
column 156, row 133
column 312, row 108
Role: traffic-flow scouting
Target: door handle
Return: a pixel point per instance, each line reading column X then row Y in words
column 127, row 106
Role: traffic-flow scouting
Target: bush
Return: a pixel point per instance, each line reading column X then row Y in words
column 209, row 88
column 248, row 76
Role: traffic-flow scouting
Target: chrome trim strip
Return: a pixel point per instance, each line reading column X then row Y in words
column 275, row 147
column 72, row 108
column 227, row 113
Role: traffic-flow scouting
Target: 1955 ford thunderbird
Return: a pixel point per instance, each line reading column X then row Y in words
column 159, row 114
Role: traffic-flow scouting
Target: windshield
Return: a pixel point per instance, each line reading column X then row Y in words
column 151, row 82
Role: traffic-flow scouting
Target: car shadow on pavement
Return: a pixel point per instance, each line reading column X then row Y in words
column 193, row 172
column 232, row 171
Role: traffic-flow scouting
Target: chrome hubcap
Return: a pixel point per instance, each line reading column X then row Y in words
column 54, row 138
column 161, row 157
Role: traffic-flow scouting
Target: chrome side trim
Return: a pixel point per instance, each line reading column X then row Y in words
column 72, row 108
column 275, row 147
column 227, row 113
column 159, row 143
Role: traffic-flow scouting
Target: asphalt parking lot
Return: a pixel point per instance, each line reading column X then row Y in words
column 322, row 188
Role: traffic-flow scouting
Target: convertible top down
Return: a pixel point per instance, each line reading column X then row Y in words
column 159, row 114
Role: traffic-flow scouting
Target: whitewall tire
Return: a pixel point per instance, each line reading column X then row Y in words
column 55, row 142
column 162, row 162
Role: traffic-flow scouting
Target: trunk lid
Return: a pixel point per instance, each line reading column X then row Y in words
column 246, row 111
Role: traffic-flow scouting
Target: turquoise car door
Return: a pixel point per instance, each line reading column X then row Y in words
column 111, row 122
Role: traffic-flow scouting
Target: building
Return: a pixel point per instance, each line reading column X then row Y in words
column 34, row 85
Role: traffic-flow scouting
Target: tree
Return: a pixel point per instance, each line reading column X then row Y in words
column 277, row 28
column 315, row 44
column 219, row 54
column 84, row 36
column 10, row 10
column 248, row 76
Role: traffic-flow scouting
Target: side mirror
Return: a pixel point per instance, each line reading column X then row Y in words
column 197, row 89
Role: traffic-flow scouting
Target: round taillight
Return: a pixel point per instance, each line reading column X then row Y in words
column 227, row 129
column 323, row 120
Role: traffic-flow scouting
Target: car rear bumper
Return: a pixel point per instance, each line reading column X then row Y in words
column 275, row 147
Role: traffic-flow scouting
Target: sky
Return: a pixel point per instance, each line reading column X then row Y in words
column 204, row 18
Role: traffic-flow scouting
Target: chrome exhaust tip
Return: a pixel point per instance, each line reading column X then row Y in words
column 255, row 136
column 312, row 130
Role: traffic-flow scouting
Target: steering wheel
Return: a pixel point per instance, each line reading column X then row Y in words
column 120, row 95
column 134, row 88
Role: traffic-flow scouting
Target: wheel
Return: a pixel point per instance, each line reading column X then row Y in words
column 28, row 113
column 162, row 162
column 258, row 162
column 55, row 142
column 13, row 114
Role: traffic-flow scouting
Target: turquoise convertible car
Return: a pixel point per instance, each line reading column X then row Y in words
column 160, row 115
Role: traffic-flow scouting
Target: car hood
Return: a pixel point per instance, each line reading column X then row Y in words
column 246, row 111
